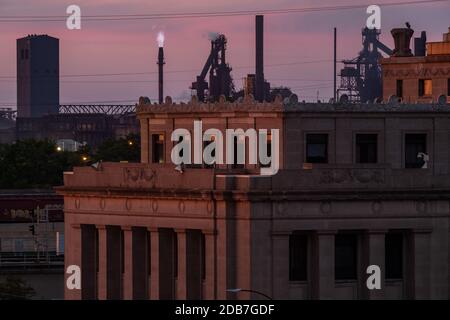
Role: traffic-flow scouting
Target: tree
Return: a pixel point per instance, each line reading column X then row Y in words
column 123, row 149
column 34, row 164
column 14, row 288
column 40, row 164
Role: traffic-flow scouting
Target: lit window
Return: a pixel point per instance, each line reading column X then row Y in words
column 425, row 87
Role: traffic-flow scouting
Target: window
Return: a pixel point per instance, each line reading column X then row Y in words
column 394, row 255
column 425, row 87
column 414, row 145
column 399, row 90
column 213, row 152
column 175, row 253
column 345, row 255
column 448, row 87
column 237, row 145
column 317, row 148
column 122, row 251
column 366, row 148
column 158, row 148
column 298, row 257
column 203, row 253
column 97, row 250
column 149, row 250
column 268, row 148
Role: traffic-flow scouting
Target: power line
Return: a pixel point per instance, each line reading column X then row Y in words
column 117, row 17
column 169, row 71
column 134, row 100
column 156, row 81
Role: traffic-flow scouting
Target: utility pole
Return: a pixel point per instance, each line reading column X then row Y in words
column 335, row 62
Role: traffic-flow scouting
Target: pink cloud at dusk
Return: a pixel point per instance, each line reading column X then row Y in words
column 130, row 46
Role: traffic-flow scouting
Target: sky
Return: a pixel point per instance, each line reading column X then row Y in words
column 301, row 42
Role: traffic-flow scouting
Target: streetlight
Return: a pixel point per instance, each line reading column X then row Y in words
column 236, row 290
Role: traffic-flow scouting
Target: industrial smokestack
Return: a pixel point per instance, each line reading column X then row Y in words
column 420, row 45
column 161, row 64
column 259, row 72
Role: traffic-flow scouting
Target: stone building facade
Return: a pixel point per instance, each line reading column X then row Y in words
column 351, row 192
column 419, row 79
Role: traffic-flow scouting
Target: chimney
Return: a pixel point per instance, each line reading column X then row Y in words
column 402, row 39
column 420, row 45
column 161, row 63
column 259, row 72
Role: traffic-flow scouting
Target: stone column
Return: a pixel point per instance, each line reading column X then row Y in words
column 145, row 141
column 73, row 257
column 182, row 262
column 324, row 280
column 421, row 263
column 210, row 268
column 102, row 262
column 128, row 263
column 154, row 263
column 280, row 265
column 374, row 254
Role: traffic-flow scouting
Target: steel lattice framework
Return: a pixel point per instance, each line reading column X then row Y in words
column 109, row 109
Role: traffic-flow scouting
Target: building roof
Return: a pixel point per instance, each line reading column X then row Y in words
column 248, row 104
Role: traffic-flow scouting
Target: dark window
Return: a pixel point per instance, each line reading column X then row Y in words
column 97, row 252
column 415, row 144
column 366, row 148
column 399, row 91
column 180, row 139
column 394, row 255
column 122, row 251
column 203, row 253
column 425, row 87
column 421, row 87
column 149, row 250
column 22, row 54
column 298, row 257
column 345, row 255
column 317, row 148
column 175, row 254
column 448, row 87
column 158, row 148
